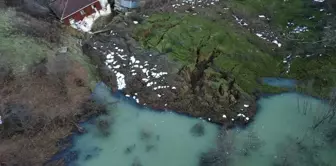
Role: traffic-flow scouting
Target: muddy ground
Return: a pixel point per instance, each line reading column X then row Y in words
column 155, row 80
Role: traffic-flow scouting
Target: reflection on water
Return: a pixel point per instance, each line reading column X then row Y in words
column 283, row 133
column 132, row 136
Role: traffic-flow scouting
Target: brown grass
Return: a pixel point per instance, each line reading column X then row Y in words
column 54, row 99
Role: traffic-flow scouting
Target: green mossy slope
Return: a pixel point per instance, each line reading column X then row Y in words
column 188, row 39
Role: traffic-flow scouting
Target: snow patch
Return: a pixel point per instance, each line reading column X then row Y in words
column 121, row 81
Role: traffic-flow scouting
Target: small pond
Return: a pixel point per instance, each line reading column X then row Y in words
column 279, row 82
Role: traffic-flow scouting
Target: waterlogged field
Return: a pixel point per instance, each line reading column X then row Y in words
column 284, row 133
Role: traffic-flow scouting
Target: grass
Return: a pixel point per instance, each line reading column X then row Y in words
column 20, row 51
column 75, row 52
column 319, row 71
column 185, row 36
column 281, row 12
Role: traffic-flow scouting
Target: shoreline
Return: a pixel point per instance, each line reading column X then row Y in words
column 68, row 142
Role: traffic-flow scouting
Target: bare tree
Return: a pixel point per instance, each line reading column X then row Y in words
column 251, row 144
column 226, row 147
column 290, row 153
column 304, row 150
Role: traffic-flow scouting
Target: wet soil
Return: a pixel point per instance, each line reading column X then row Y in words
column 183, row 88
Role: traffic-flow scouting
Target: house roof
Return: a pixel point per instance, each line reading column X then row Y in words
column 65, row 8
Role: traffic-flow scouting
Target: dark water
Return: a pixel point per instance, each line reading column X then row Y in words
column 279, row 82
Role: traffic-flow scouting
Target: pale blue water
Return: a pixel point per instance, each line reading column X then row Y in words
column 281, row 134
column 282, row 122
column 141, row 137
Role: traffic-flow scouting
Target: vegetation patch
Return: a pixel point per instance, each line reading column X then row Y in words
column 193, row 39
column 317, row 74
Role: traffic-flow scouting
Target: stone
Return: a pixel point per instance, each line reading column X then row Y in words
column 63, row 50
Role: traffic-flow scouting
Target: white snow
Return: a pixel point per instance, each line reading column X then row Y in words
column 259, row 35
column 246, row 105
column 300, row 29
column 241, row 115
column 116, row 67
column 277, row 43
column 145, row 79
column 149, row 84
column 224, row 116
column 132, row 59
column 121, row 81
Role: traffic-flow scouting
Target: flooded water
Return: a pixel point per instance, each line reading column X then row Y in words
column 284, row 132
column 133, row 136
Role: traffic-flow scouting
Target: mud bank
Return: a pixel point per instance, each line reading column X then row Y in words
column 153, row 79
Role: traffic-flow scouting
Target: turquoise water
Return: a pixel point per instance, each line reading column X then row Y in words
column 281, row 134
column 140, row 137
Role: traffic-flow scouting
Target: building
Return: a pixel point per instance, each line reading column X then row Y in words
column 131, row 4
column 72, row 11
column 123, row 5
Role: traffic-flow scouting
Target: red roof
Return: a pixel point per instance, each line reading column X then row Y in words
column 65, row 8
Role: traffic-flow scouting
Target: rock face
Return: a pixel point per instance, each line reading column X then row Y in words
column 154, row 80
